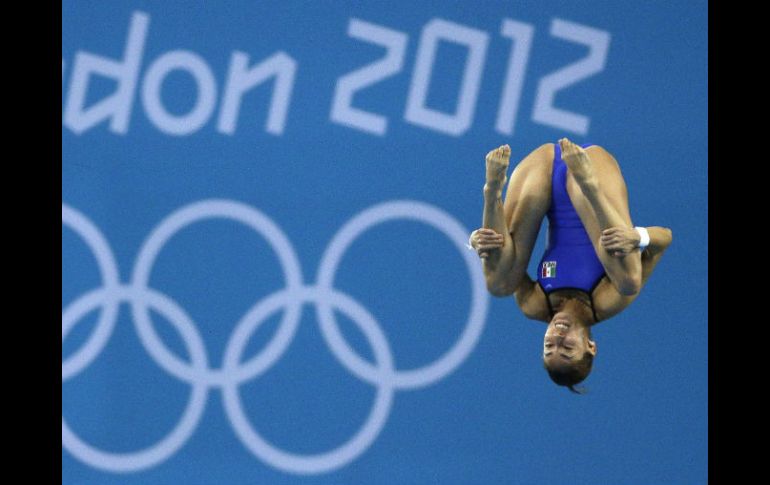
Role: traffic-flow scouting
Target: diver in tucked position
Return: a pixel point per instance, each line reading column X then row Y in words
column 595, row 262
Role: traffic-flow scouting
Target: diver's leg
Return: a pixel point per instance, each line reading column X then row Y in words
column 518, row 219
column 598, row 191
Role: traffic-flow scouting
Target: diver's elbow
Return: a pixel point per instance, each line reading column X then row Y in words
column 498, row 289
column 669, row 237
column 630, row 285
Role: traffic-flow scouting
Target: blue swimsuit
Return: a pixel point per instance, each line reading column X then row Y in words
column 570, row 260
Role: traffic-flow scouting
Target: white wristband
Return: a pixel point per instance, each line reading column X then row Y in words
column 469, row 246
column 645, row 237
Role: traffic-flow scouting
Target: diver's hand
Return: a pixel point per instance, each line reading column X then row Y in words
column 484, row 240
column 620, row 241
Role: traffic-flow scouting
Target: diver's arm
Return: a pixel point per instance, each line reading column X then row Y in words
column 497, row 262
column 607, row 301
column 660, row 239
column 620, row 241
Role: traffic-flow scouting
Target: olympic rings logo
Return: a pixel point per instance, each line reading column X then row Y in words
column 232, row 373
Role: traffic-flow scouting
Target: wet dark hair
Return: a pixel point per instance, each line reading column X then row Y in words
column 572, row 374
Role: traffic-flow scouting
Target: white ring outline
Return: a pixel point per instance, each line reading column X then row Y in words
column 438, row 219
column 173, row 441
column 360, row 442
column 108, row 268
column 178, row 220
column 201, row 377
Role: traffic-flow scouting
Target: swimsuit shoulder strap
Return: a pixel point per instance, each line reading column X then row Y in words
column 593, row 307
column 591, row 296
column 547, row 300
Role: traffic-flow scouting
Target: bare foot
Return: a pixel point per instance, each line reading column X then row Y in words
column 577, row 161
column 497, row 167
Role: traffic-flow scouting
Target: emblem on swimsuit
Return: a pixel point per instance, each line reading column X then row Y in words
column 548, row 270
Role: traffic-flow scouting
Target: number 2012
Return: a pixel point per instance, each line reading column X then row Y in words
column 476, row 42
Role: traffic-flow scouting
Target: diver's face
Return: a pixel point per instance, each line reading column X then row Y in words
column 565, row 341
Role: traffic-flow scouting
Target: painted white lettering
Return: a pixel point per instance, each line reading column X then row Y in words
column 417, row 112
column 117, row 107
column 242, row 79
column 342, row 111
column 598, row 42
column 521, row 34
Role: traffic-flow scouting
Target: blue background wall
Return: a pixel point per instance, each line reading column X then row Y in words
column 494, row 417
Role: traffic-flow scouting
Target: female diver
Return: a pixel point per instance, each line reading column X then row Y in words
column 595, row 262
